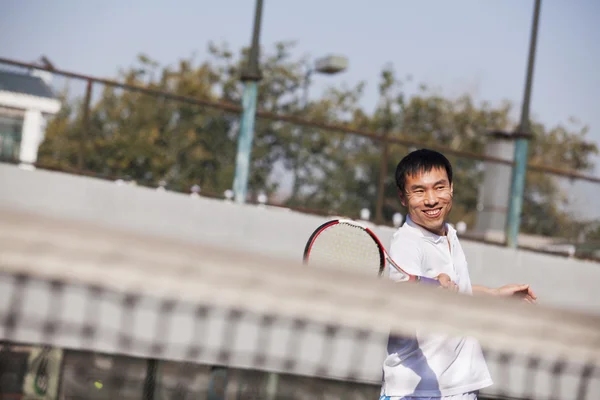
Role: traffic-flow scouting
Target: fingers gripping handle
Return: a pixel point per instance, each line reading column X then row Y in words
column 418, row 279
column 428, row 281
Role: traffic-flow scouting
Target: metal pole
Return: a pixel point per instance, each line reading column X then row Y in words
column 305, row 87
column 519, row 171
column 85, row 126
column 217, row 385
column 150, row 379
column 383, row 166
column 381, row 184
column 250, row 76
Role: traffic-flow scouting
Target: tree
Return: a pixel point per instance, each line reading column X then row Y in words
column 594, row 232
column 545, row 207
column 150, row 138
column 144, row 137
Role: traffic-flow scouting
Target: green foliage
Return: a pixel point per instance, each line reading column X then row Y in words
column 150, row 138
column 594, row 233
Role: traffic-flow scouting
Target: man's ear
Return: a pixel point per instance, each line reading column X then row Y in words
column 402, row 197
column 452, row 189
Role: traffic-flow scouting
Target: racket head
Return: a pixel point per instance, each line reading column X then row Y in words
column 346, row 243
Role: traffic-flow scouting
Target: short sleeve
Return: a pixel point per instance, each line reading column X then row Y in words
column 406, row 252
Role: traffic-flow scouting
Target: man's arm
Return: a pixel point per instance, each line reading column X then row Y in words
column 480, row 289
column 524, row 291
column 408, row 255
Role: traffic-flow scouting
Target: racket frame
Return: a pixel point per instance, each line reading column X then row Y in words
column 384, row 257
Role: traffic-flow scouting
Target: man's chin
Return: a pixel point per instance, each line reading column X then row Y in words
column 437, row 227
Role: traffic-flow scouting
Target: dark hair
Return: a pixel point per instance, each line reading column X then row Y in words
column 421, row 161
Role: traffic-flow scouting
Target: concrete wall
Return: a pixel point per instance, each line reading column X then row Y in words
column 558, row 281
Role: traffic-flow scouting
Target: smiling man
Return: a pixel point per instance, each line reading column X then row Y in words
column 434, row 366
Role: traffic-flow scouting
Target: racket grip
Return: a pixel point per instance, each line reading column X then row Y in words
column 429, row 281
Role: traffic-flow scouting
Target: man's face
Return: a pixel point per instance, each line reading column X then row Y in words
column 428, row 197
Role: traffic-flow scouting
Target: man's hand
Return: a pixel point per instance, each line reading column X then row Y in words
column 446, row 282
column 523, row 291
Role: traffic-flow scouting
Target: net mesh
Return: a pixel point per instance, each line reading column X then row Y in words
column 88, row 312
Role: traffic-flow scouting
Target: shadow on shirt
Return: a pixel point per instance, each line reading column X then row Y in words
column 411, row 356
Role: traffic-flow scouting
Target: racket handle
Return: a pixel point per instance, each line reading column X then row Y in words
column 429, row 281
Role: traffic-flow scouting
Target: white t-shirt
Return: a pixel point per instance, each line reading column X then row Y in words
column 428, row 365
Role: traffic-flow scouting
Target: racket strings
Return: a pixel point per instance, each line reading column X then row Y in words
column 346, row 245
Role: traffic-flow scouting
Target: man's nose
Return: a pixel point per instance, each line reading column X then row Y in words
column 430, row 198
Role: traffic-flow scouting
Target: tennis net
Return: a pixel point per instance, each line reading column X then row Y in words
column 93, row 313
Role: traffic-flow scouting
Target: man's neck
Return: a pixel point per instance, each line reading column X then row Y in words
column 442, row 232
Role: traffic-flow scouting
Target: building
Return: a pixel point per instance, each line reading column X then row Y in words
column 26, row 103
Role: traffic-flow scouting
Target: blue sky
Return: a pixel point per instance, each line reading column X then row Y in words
column 456, row 46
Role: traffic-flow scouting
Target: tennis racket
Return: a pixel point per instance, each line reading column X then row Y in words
column 345, row 242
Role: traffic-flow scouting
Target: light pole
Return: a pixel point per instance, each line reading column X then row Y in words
column 519, row 171
column 251, row 75
column 329, row 65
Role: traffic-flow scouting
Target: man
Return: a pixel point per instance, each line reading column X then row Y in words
column 434, row 366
